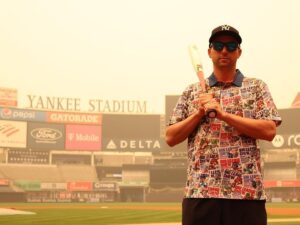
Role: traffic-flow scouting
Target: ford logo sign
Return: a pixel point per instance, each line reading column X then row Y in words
column 46, row 134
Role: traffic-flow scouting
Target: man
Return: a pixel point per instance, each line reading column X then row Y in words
column 224, row 181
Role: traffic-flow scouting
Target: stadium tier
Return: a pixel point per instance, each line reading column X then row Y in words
column 41, row 173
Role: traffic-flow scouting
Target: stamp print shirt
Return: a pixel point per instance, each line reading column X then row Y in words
column 221, row 162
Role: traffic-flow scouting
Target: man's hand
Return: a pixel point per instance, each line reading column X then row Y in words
column 207, row 102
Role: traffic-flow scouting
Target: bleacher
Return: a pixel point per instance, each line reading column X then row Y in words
column 48, row 173
column 42, row 173
column 77, row 172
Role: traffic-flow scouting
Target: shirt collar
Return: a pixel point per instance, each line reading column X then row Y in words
column 212, row 80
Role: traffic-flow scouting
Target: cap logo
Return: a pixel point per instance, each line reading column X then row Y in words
column 225, row 27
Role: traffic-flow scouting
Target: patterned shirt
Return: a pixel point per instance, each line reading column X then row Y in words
column 221, row 162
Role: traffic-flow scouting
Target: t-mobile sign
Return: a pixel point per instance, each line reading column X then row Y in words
column 83, row 137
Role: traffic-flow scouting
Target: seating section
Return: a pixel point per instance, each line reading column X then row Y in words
column 78, row 172
column 48, row 173
column 42, row 173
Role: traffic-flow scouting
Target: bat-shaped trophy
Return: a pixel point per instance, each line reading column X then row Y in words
column 197, row 64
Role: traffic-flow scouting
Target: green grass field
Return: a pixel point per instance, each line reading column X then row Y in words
column 110, row 213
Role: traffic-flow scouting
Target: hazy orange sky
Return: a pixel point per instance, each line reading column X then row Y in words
column 137, row 49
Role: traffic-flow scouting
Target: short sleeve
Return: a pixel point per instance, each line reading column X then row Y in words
column 180, row 112
column 265, row 106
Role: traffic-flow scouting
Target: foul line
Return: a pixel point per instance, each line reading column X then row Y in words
column 284, row 220
column 269, row 221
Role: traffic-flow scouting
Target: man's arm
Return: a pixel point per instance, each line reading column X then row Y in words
column 259, row 129
column 178, row 132
column 255, row 128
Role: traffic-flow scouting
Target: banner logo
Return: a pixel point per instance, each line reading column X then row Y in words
column 46, row 134
column 8, row 129
column 111, row 145
column 6, row 113
column 278, row 141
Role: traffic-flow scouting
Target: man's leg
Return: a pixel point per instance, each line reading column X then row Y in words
column 244, row 212
column 198, row 211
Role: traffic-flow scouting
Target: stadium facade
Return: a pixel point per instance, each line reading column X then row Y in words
column 55, row 156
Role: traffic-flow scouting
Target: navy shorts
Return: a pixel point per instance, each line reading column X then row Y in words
column 204, row 211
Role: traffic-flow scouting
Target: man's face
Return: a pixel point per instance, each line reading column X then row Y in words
column 226, row 56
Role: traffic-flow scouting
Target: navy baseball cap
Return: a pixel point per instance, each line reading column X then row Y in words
column 225, row 30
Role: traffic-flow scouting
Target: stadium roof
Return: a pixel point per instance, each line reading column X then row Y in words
column 296, row 102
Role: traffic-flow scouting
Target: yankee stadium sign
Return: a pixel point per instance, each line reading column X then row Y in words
column 94, row 105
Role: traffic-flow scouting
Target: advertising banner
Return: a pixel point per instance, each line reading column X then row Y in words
column 53, row 186
column 22, row 115
column 46, row 136
column 105, row 186
column 74, row 118
column 281, row 183
column 132, row 132
column 83, row 137
column 146, row 145
column 8, row 97
column 80, row 186
column 13, row 134
column 288, row 133
column 283, row 141
column 28, row 185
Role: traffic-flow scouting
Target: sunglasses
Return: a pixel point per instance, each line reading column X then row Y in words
column 230, row 46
